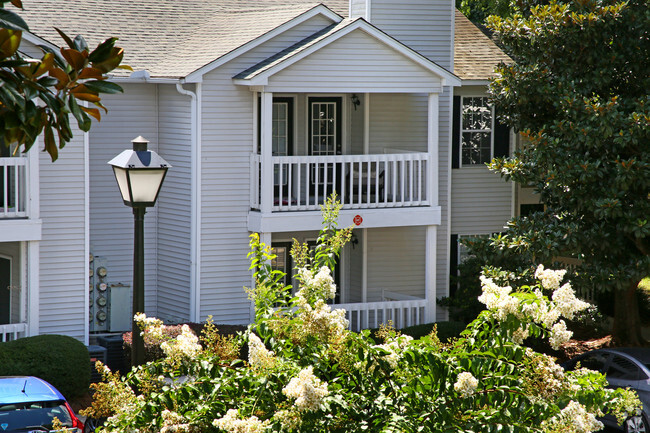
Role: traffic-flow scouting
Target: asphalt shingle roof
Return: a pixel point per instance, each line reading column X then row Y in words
column 171, row 39
column 475, row 55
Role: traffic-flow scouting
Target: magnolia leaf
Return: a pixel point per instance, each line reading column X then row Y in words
column 45, row 65
column 12, row 21
column 111, row 62
column 74, row 58
column 80, row 43
column 103, row 51
column 60, row 75
column 88, row 73
column 103, row 87
column 50, row 144
column 93, row 112
column 9, row 42
column 65, row 37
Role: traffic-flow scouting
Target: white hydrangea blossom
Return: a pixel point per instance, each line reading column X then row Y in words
column 321, row 285
column 185, row 345
column 258, row 355
column 520, row 334
column 307, row 389
column 566, row 301
column 559, row 335
column 574, row 418
column 395, row 347
column 231, row 422
column 466, row 384
column 498, row 299
column 550, row 278
column 175, row 423
column 321, row 320
column 150, row 325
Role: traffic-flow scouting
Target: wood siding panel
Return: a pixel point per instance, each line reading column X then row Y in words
column 227, row 141
column 396, row 261
column 174, row 205
column 63, row 262
column 343, row 66
column 481, row 201
column 423, row 25
column 130, row 114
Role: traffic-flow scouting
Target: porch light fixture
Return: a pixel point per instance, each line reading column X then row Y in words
column 355, row 101
column 139, row 174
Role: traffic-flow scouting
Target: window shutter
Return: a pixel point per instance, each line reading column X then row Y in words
column 501, row 139
column 453, row 263
column 455, row 133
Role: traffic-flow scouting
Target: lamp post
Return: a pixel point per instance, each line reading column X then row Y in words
column 139, row 174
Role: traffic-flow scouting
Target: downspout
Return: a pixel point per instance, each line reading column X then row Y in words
column 195, row 211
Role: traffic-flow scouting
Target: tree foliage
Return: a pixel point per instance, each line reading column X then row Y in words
column 578, row 94
column 305, row 372
column 37, row 96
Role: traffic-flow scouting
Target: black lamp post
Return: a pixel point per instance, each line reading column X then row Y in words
column 139, row 174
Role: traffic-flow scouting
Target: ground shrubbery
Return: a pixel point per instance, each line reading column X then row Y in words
column 305, row 372
column 61, row 360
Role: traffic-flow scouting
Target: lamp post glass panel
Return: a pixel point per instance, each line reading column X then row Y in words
column 139, row 174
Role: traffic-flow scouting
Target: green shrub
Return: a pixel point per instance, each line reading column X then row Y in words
column 446, row 330
column 61, row 360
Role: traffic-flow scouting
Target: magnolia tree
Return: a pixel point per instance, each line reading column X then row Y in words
column 302, row 370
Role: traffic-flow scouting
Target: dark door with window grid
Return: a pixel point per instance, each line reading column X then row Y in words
column 325, row 139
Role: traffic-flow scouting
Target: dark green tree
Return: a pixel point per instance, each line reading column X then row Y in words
column 578, row 94
column 37, row 96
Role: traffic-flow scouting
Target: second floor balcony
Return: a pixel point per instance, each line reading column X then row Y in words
column 13, row 187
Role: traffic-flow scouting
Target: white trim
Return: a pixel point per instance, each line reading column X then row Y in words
column 195, row 210
column 313, row 220
column 23, row 281
column 450, row 145
column 432, row 142
column 33, row 288
column 266, row 144
column 16, row 230
column 474, row 82
column 364, row 265
column 261, row 78
column 141, row 80
column 430, row 273
column 37, row 40
column 344, row 120
column 366, row 123
column 368, row 10
column 86, row 228
column 197, row 75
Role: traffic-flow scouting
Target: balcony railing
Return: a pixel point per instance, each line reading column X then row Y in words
column 12, row 331
column 13, row 177
column 360, row 181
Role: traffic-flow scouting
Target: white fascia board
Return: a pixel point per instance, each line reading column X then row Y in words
column 145, row 80
column 17, row 230
column 447, row 78
column 474, row 82
column 197, row 76
column 36, row 40
column 372, row 218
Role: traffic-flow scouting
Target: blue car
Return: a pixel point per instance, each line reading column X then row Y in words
column 29, row 405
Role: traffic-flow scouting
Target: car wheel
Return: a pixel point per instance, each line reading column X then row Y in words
column 636, row 424
column 91, row 425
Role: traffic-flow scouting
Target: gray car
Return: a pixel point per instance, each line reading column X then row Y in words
column 623, row 368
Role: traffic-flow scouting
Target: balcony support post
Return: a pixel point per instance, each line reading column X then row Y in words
column 266, row 144
column 433, row 143
column 430, row 270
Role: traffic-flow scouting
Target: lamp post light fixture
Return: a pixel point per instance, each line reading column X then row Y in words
column 139, row 174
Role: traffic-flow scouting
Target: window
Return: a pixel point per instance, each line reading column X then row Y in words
column 477, row 135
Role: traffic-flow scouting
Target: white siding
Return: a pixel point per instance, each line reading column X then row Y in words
column 358, row 8
column 129, row 115
column 423, row 25
column 396, row 261
column 174, row 205
column 481, row 201
column 63, row 262
column 398, row 121
column 343, row 64
column 227, row 142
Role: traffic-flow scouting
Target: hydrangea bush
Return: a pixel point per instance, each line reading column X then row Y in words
column 304, row 371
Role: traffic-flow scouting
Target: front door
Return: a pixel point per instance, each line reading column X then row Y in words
column 325, row 138
column 5, row 293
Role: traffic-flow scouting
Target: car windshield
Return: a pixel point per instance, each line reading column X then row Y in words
column 18, row 417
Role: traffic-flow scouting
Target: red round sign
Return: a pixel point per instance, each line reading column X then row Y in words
column 357, row 220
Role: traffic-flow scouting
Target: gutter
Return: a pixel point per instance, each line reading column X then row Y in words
column 195, row 213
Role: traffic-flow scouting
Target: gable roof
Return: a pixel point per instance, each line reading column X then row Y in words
column 158, row 38
column 258, row 74
column 475, row 55
column 172, row 39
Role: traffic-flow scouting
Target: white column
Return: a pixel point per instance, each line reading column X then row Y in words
column 33, row 287
column 364, row 265
column 366, row 124
column 430, row 272
column 266, row 112
column 432, row 169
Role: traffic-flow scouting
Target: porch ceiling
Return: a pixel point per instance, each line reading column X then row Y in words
column 351, row 56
